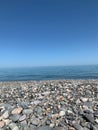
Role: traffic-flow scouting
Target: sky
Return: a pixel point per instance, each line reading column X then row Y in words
column 48, row 32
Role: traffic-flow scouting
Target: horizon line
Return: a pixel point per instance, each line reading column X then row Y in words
column 47, row 66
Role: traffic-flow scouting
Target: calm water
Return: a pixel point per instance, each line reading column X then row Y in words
column 48, row 73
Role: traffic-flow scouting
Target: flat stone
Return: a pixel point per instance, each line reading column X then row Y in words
column 60, row 128
column 13, row 126
column 85, row 128
column 35, row 102
column 17, row 110
column 43, row 128
column 89, row 117
column 35, row 121
column 23, row 104
column 7, row 121
column 27, row 111
column 22, row 118
column 5, row 115
column 15, row 117
column 32, row 127
column 77, row 126
column 71, row 128
column 24, row 123
column 1, row 124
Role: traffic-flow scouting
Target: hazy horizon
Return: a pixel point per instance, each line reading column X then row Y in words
column 12, row 67
column 48, row 33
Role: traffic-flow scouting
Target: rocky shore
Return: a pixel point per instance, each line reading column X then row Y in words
column 49, row 105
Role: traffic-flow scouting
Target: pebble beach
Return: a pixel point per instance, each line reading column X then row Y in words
column 49, row 105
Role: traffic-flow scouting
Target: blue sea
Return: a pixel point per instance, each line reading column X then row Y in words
column 49, row 73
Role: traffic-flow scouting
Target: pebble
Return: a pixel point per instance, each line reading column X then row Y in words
column 27, row 111
column 60, row 128
column 5, row 115
column 1, row 124
column 43, row 128
column 15, row 117
column 17, row 110
column 84, row 99
column 23, row 117
column 52, row 125
column 49, row 105
column 77, row 126
column 62, row 113
column 89, row 117
column 35, row 102
column 13, row 126
column 7, row 121
column 71, row 128
column 35, row 121
column 96, row 120
column 23, row 123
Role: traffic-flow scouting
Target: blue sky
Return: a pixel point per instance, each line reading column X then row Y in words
column 48, row 32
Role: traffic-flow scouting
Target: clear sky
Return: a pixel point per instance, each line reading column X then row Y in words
column 48, row 32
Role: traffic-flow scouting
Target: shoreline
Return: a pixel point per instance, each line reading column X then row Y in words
column 49, row 105
column 25, row 81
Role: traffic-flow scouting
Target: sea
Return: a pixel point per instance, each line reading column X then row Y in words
column 49, row 73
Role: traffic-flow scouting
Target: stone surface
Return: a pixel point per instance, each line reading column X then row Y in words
column 5, row 114
column 43, row 128
column 23, row 117
column 56, row 104
column 17, row 110
column 60, row 128
column 1, row 124
column 13, row 126
column 89, row 117
column 15, row 117
column 84, row 99
column 77, row 126
column 62, row 113
column 27, row 111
